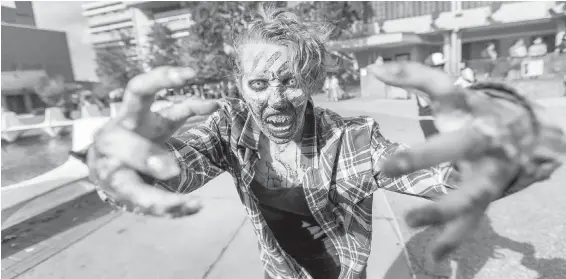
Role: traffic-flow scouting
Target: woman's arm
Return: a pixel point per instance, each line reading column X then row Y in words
column 540, row 160
column 200, row 154
column 428, row 183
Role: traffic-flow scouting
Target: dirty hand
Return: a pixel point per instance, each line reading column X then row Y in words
column 130, row 149
column 490, row 139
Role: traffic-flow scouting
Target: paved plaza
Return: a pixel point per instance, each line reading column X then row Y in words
column 523, row 236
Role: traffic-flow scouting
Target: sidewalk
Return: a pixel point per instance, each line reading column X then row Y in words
column 523, row 237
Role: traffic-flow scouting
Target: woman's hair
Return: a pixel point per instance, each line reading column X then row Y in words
column 308, row 55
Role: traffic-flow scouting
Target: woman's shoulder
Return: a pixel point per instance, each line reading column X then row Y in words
column 329, row 119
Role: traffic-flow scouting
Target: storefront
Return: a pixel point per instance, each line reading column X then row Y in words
column 390, row 47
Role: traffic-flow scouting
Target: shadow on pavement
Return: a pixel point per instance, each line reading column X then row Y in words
column 474, row 254
column 52, row 223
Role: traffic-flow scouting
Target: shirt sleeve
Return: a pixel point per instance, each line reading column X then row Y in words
column 201, row 154
column 428, row 183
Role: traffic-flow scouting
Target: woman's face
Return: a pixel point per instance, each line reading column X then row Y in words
column 271, row 91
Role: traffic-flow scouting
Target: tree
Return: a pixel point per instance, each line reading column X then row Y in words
column 116, row 65
column 340, row 14
column 215, row 24
column 162, row 47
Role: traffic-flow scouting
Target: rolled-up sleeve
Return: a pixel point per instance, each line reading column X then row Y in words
column 428, row 183
column 201, row 154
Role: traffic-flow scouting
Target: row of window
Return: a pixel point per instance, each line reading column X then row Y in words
column 387, row 10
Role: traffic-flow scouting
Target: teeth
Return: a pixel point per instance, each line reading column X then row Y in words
column 277, row 120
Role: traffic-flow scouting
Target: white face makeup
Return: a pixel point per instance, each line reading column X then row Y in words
column 272, row 92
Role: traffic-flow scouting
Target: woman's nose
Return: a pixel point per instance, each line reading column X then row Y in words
column 277, row 98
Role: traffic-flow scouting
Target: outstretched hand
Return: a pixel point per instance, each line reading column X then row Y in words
column 486, row 170
column 133, row 144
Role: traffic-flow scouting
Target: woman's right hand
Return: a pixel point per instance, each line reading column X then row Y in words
column 133, row 143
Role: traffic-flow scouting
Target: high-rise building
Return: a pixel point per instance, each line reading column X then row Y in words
column 29, row 54
column 109, row 20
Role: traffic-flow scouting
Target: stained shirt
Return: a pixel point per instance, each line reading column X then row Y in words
column 341, row 158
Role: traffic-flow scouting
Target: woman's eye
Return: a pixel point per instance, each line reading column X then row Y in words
column 291, row 82
column 258, row 84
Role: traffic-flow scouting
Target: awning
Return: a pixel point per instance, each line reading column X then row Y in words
column 19, row 80
column 385, row 40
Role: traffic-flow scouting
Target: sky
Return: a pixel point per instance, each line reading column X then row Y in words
column 66, row 16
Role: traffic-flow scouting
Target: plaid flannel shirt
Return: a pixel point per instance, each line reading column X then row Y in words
column 342, row 157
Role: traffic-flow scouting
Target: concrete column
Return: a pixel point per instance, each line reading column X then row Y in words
column 5, row 104
column 27, row 102
column 447, row 51
column 560, row 30
column 455, row 42
column 142, row 25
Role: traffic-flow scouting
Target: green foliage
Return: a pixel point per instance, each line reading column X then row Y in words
column 208, row 48
column 341, row 14
column 162, row 48
column 116, row 65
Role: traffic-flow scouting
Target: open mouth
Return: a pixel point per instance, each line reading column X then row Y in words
column 279, row 121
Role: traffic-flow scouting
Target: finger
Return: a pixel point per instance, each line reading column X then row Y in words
column 454, row 233
column 127, row 187
column 433, row 82
column 189, row 108
column 448, row 147
column 468, row 198
column 137, row 152
column 484, row 180
column 140, row 91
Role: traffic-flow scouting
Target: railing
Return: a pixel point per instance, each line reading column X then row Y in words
column 118, row 6
column 177, row 22
column 109, row 18
column 552, row 65
column 105, row 37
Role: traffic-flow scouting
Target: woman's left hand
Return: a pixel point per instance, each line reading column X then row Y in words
column 493, row 135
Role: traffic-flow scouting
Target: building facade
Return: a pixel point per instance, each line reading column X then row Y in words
column 108, row 21
column 29, row 54
column 461, row 30
column 18, row 12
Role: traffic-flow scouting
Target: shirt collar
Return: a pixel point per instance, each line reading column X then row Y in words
column 249, row 138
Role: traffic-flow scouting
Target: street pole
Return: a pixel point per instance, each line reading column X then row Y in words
column 455, row 40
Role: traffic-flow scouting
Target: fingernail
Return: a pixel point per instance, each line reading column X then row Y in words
column 162, row 166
